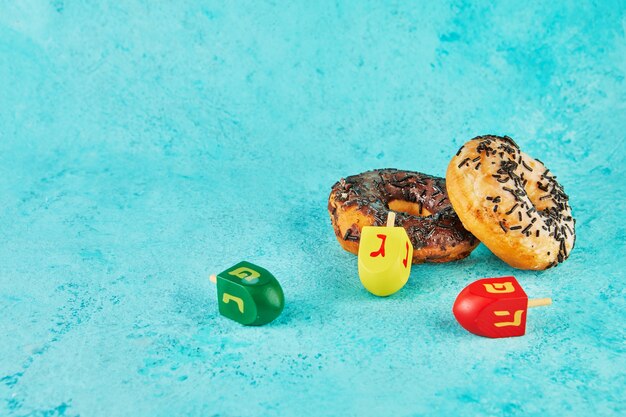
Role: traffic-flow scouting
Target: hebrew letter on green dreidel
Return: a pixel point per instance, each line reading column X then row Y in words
column 249, row 294
column 249, row 275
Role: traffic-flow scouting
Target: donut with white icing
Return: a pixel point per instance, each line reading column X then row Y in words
column 511, row 202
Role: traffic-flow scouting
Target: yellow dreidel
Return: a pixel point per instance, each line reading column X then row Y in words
column 385, row 255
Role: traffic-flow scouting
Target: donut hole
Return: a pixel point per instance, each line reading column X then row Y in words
column 408, row 207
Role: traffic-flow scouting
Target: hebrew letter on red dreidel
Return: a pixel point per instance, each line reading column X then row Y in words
column 494, row 307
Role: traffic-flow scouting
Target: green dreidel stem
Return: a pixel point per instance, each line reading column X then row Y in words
column 248, row 294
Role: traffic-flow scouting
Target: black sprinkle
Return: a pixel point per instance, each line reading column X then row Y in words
column 509, row 140
column 502, row 226
column 462, row 162
column 460, row 149
column 512, row 192
column 476, row 159
column 515, row 227
column 495, row 208
column 526, row 166
column 350, row 236
column 537, row 233
column 544, row 197
column 511, row 209
column 519, row 215
column 477, row 165
column 527, row 228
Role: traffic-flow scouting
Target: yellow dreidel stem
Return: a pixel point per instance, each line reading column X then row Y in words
column 391, row 219
column 213, row 278
column 539, row 302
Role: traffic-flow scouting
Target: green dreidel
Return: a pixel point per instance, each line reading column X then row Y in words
column 249, row 294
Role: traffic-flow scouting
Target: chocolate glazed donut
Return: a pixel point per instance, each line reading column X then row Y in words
column 422, row 206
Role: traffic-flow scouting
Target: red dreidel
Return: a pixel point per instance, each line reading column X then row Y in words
column 495, row 307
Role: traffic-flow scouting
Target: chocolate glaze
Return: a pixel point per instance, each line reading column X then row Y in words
column 371, row 192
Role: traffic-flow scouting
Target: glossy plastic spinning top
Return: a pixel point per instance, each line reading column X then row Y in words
column 385, row 255
column 249, row 294
column 495, row 307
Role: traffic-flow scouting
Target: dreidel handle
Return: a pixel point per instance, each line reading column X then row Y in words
column 391, row 219
column 539, row 302
column 213, row 278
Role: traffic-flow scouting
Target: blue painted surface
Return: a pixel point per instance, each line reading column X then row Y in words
column 143, row 146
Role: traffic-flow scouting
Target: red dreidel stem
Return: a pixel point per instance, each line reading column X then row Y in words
column 539, row 302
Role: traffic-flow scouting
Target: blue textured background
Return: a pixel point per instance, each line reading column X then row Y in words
column 143, row 146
